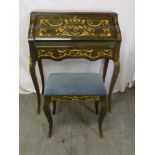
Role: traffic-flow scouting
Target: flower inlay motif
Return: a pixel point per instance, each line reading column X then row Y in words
column 74, row 53
column 73, row 27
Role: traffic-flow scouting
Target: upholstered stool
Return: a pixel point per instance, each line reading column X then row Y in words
column 75, row 86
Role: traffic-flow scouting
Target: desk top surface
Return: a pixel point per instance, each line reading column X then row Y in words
column 70, row 26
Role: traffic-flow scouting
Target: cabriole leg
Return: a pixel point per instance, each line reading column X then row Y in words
column 96, row 107
column 106, row 62
column 47, row 111
column 113, row 81
column 54, row 106
column 41, row 74
column 32, row 64
column 102, row 114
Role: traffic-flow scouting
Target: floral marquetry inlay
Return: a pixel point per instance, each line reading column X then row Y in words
column 76, row 98
column 73, row 27
column 59, row 54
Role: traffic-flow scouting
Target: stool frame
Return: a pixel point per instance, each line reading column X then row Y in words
column 98, row 99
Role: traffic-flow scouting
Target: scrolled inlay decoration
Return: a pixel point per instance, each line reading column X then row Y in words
column 73, row 27
column 74, row 53
column 76, row 98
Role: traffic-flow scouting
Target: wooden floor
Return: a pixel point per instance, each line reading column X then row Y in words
column 75, row 130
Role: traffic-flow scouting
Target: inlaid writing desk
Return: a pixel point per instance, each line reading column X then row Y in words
column 62, row 35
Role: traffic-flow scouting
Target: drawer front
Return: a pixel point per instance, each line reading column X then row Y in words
column 87, row 53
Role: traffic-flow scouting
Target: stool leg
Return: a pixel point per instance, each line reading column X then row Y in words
column 96, row 107
column 46, row 107
column 102, row 114
column 54, row 106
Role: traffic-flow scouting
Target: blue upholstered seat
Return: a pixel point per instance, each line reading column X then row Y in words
column 78, row 84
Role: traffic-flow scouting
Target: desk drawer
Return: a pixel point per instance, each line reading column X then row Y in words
column 63, row 53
